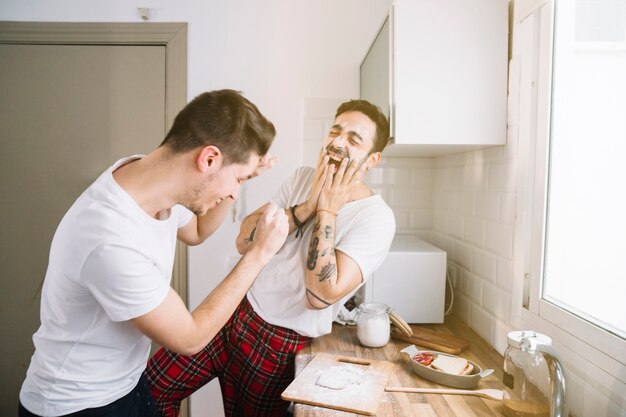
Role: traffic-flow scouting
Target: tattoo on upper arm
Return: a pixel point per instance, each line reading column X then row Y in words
column 312, row 258
column 327, row 271
column 250, row 238
column 310, row 294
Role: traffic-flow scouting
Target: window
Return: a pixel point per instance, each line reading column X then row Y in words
column 573, row 215
column 585, row 224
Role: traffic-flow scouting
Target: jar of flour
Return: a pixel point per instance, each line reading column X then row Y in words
column 372, row 328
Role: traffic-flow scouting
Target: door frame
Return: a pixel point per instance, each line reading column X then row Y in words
column 173, row 36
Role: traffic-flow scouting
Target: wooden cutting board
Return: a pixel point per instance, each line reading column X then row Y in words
column 432, row 339
column 321, row 380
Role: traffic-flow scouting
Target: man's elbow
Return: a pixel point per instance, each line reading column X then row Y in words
column 191, row 350
column 316, row 302
column 187, row 347
column 191, row 240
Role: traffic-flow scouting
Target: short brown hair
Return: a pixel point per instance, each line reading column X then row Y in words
column 375, row 114
column 225, row 119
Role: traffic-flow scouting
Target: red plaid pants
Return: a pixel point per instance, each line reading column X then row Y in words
column 254, row 361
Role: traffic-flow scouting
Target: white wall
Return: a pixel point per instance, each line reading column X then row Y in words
column 277, row 52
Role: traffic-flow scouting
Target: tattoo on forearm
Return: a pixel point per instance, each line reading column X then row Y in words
column 309, row 294
column 327, row 271
column 328, row 232
column 316, row 227
column 250, row 238
column 312, row 258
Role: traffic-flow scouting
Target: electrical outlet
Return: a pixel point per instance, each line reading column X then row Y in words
column 453, row 275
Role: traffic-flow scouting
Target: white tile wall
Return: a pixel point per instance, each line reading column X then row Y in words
column 474, row 211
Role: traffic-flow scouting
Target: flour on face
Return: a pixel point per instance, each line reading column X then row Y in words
column 339, row 377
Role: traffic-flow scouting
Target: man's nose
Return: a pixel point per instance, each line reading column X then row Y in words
column 339, row 141
column 236, row 191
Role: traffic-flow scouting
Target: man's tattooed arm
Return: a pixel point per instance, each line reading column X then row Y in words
column 321, row 263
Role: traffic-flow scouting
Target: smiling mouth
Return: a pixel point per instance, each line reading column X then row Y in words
column 335, row 159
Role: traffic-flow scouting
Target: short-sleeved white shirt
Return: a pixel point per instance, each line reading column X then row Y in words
column 109, row 262
column 364, row 231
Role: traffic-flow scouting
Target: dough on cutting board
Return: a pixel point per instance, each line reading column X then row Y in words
column 339, row 377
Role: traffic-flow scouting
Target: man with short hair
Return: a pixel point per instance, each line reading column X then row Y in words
column 107, row 292
column 340, row 232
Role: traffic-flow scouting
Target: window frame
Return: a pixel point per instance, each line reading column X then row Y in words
column 531, row 73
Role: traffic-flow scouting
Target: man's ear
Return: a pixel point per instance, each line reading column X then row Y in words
column 209, row 158
column 373, row 159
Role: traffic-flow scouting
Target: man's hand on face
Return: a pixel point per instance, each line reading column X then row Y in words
column 340, row 184
column 266, row 163
column 318, row 181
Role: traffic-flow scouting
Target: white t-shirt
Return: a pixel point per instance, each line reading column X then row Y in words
column 109, row 262
column 364, row 231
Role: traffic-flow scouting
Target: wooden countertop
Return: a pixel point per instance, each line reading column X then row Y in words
column 343, row 341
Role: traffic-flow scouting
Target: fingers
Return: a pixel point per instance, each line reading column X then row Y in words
column 270, row 211
column 273, row 214
column 358, row 173
column 323, row 154
column 271, row 232
column 350, row 172
column 323, row 163
column 266, row 162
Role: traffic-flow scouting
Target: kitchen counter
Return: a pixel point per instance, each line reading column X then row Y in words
column 343, row 341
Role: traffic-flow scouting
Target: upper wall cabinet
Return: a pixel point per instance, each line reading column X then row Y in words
column 438, row 68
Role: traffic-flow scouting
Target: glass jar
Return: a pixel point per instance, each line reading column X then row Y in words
column 533, row 378
column 373, row 328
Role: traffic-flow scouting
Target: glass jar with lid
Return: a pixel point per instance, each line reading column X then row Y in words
column 373, row 328
column 534, row 382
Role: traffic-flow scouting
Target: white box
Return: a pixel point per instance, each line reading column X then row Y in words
column 411, row 280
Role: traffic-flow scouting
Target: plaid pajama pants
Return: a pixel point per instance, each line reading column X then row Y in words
column 254, row 361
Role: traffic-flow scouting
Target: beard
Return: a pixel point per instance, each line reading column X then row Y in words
column 192, row 199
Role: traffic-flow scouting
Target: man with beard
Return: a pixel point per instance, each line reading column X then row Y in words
column 340, row 232
column 107, row 292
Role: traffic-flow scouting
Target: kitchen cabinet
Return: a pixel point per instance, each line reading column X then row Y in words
column 438, row 69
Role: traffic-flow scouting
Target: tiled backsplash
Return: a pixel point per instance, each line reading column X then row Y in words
column 406, row 185
column 465, row 205
column 474, row 217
